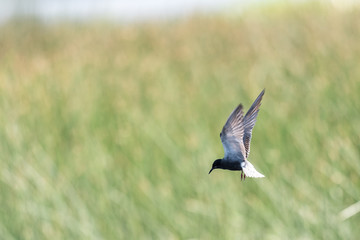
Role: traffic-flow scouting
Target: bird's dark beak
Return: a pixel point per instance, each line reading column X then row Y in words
column 211, row 170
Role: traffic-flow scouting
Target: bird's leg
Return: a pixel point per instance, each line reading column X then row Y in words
column 241, row 175
column 244, row 176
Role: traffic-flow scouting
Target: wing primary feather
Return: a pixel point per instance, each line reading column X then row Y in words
column 232, row 134
column 249, row 122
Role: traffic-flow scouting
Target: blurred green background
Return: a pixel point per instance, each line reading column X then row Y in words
column 108, row 131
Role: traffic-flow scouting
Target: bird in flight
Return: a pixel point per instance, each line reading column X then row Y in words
column 235, row 137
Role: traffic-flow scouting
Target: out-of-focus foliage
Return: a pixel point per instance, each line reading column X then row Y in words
column 108, row 132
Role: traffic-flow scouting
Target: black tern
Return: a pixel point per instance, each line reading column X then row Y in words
column 235, row 137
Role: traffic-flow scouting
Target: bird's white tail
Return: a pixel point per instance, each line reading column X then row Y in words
column 250, row 170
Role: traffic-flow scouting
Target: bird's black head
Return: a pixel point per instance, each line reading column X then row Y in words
column 216, row 164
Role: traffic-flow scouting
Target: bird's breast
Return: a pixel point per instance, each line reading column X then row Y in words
column 231, row 165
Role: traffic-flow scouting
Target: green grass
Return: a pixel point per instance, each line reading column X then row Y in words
column 109, row 131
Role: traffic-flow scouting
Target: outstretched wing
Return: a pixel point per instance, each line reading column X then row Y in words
column 232, row 135
column 249, row 122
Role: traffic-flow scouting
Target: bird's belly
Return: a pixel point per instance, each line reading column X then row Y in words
column 233, row 166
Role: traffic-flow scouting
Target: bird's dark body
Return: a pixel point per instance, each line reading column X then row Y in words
column 228, row 165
